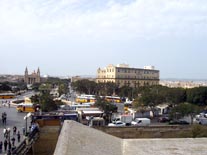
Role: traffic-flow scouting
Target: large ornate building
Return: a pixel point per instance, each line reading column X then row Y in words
column 32, row 78
column 123, row 75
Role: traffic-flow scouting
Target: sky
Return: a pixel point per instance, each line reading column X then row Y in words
column 76, row 37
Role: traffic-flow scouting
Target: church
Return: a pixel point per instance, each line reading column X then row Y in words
column 33, row 77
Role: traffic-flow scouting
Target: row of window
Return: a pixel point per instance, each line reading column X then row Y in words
column 128, row 77
column 128, row 83
column 136, row 71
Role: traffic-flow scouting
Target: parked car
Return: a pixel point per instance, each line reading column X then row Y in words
column 141, row 122
column 117, row 123
column 163, row 119
column 179, row 122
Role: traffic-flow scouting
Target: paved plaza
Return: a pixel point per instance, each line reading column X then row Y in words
column 13, row 119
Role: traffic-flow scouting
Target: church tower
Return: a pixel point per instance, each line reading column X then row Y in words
column 38, row 75
column 26, row 75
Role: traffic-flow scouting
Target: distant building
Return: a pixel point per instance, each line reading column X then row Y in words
column 32, row 78
column 123, row 75
column 78, row 78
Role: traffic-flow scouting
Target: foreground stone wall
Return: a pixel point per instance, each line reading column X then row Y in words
column 148, row 132
column 77, row 139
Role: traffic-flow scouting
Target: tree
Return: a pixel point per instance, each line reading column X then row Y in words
column 140, row 107
column 46, row 101
column 126, row 91
column 84, row 86
column 62, row 89
column 197, row 96
column 107, row 107
column 5, row 87
column 185, row 109
column 45, row 88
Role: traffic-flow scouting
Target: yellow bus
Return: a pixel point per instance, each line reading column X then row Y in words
column 86, row 99
column 113, row 99
column 7, row 95
column 27, row 107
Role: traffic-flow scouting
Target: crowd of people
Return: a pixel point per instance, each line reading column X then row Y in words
column 11, row 136
column 9, row 142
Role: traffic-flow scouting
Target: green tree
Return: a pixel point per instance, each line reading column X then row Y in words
column 62, row 89
column 139, row 107
column 197, row 96
column 184, row 109
column 85, row 86
column 5, row 87
column 45, row 101
column 107, row 107
column 45, row 88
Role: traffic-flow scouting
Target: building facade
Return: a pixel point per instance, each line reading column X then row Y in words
column 32, row 78
column 123, row 75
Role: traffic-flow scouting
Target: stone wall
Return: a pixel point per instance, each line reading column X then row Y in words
column 148, row 132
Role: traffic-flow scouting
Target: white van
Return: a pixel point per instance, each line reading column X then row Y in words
column 141, row 122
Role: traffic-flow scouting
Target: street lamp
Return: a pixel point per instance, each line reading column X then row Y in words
column 25, row 118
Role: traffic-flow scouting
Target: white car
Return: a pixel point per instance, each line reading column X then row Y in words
column 118, row 123
column 141, row 122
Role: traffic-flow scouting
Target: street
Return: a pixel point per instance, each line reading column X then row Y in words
column 13, row 119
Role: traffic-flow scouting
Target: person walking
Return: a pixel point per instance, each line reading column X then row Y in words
column 5, row 132
column 5, row 145
column 13, row 140
column 14, row 130
column 3, row 116
column 1, row 146
column 10, row 145
column 18, row 136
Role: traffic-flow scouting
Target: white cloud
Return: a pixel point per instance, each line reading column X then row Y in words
column 86, row 18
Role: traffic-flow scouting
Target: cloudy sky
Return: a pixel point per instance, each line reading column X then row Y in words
column 75, row 37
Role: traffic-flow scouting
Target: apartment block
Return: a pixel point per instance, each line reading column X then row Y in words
column 123, row 75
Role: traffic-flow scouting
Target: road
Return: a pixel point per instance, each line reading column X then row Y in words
column 13, row 119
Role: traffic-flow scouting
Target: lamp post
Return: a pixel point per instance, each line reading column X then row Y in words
column 25, row 118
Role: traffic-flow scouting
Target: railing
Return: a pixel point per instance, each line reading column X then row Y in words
column 26, row 144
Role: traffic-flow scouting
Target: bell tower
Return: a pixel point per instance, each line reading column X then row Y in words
column 38, row 75
column 26, row 75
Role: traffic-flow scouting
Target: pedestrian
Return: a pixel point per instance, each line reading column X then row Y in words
column 5, row 145
column 13, row 140
column 10, row 146
column 14, row 130
column 13, row 148
column 5, row 132
column 23, row 131
column 18, row 136
column 2, row 117
column 1, row 146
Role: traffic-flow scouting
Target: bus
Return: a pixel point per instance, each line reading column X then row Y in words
column 27, row 107
column 77, row 106
column 112, row 99
column 85, row 98
column 7, row 95
column 48, row 116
